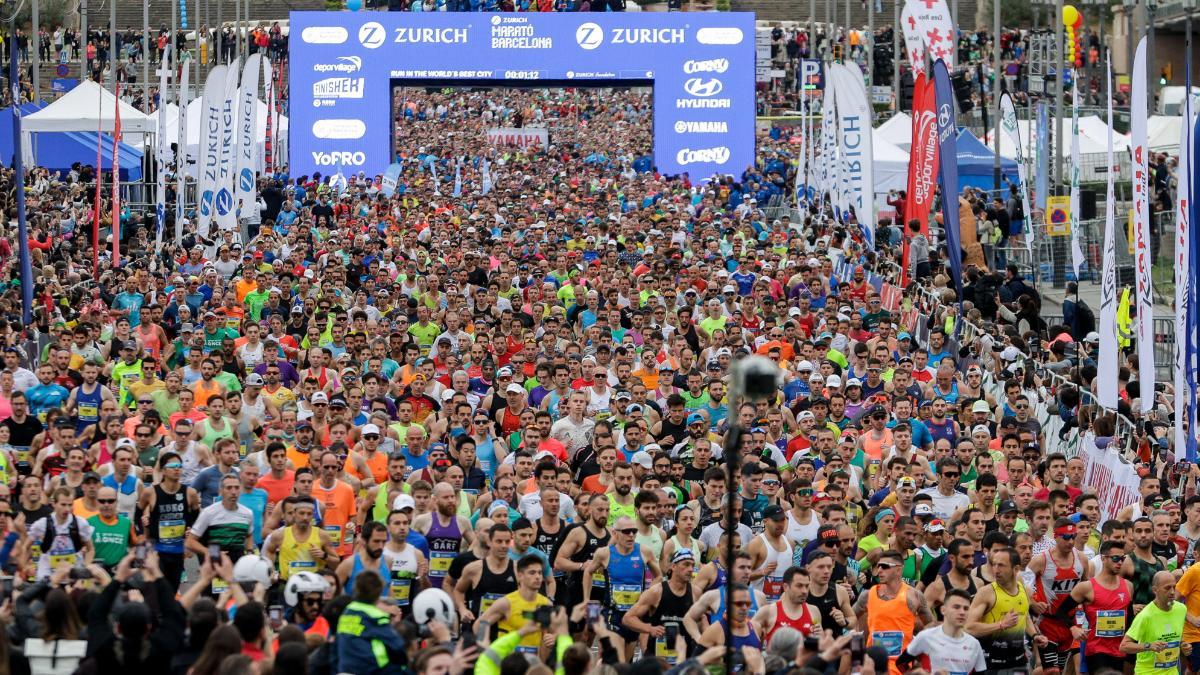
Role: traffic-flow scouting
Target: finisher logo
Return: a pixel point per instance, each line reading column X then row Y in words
column 338, row 87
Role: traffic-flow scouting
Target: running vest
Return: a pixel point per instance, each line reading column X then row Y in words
column 825, row 605
column 802, row 623
column 670, row 612
column 383, row 503
column 1143, row 579
column 492, row 586
column 1052, row 587
column 945, row 576
column 890, row 623
column 444, row 542
column 548, row 542
column 127, row 494
column 591, row 544
column 168, row 520
column 1107, row 618
column 520, row 611
column 626, row 578
column 616, row 510
column 402, row 572
column 294, row 554
column 87, row 406
column 1006, row 649
column 771, row 585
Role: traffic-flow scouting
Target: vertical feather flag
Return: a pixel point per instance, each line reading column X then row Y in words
column 19, row 170
column 1141, row 230
column 181, row 154
column 1106, row 364
column 947, row 132
column 116, row 179
column 162, row 144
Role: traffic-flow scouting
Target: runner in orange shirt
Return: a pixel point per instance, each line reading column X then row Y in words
column 338, row 503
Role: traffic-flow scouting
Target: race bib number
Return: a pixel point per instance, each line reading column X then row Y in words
column 598, row 580
column 1169, row 657
column 772, row 587
column 335, row 535
column 891, row 640
column 665, row 651
column 58, row 560
column 488, row 600
column 439, row 563
column 1110, row 623
column 170, row 530
column 625, row 596
column 401, row 591
column 301, row 566
column 219, row 586
column 88, row 412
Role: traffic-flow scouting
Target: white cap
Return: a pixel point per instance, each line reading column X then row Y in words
column 448, row 394
column 514, row 388
column 642, row 458
column 319, row 397
column 795, row 311
column 833, row 381
column 981, row 429
column 804, row 365
column 729, row 289
column 370, row 429
column 1010, row 353
column 853, row 382
column 403, row 501
column 806, row 415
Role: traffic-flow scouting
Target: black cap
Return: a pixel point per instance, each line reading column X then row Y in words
column 774, row 512
column 337, row 401
column 1007, row 506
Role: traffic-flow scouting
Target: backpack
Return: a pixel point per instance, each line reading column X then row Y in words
column 52, row 533
column 1085, row 320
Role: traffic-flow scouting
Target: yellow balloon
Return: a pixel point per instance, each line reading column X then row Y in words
column 1070, row 15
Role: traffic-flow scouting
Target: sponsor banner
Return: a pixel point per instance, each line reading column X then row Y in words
column 1107, row 368
column 1008, row 127
column 181, row 159
column 528, row 137
column 914, row 44
column 223, row 204
column 210, row 145
column 947, row 131
column 1042, row 157
column 1077, row 259
column 701, row 67
column 854, row 145
column 245, row 184
column 923, row 154
column 1141, row 228
column 934, row 25
column 162, row 154
column 1183, row 235
column 1110, row 478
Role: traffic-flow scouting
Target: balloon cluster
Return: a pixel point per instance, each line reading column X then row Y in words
column 1073, row 21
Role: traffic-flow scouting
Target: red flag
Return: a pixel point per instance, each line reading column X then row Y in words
column 116, row 180
column 96, row 204
column 922, row 160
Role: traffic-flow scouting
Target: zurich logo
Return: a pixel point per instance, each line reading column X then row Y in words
column 699, row 86
column 224, row 202
column 206, row 202
column 589, row 35
column 247, row 180
column 371, row 35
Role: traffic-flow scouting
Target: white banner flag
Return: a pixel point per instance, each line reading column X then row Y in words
column 1077, row 258
column 854, row 144
column 1008, row 126
column 1183, row 238
column 246, row 153
column 935, row 26
column 829, row 171
column 210, row 145
column 914, row 43
column 223, row 204
column 1106, row 363
column 181, row 155
column 1141, row 230
column 163, row 148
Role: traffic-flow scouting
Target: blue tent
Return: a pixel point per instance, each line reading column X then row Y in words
column 59, row 150
column 975, row 163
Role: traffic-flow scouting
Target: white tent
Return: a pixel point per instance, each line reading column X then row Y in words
column 1163, row 133
column 1088, row 143
column 193, row 129
column 897, row 130
column 891, row 163
column 87, row 107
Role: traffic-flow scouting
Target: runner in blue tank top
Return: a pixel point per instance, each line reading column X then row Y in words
column 629, row 570
column 368, row 554
column 739, row 619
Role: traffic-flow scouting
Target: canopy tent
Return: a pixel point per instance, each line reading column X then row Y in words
column 58, row 151
column 194, row 114
column 87, row 107
column 976, row 163
column 1093, row 138
column 1163, row 133
column 897, row 130
column 890, row 163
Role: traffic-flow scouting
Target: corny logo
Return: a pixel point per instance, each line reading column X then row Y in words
column 706, row 66
column 718, row 155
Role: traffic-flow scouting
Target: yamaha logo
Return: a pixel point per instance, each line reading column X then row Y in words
column 703, row 88
column 589, row 36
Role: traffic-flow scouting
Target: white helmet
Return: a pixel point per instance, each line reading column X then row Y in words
column 434, row 603
column 301, row 583
column 252, row 569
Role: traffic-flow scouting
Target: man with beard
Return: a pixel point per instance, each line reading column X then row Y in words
column 961, row 555
column 579, row 544
column 1141, row 567
column 447, row 532
column 488, row 579
column 368, row 556
column 792, row 610
column 383, row 495
column 831, row 600
column 770, row 554
column 620, row 501
column 545, row 476
column 649, row 535
column 664, row 605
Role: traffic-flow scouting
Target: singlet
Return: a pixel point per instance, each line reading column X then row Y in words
column 945, row 577
column 402, row 572
column 519, row 612
column 800, row 535
column 511, row 423
column 670, row 612
column 191, row 465
column 127, row 493
column 294, row 554
column 626, row 578
column 720, row 579
column 772, row 584
column 444, row 542
column 653, row 542
column 1053, row 587
column 211, row 434
column 1006, row 649
column 707, row 516
column 1107, row 618
column 355, row 570
column 168, row 520
column 890, row 623
column 825, row 605
column 802, row 623
column 1143, row 579
column 693, row 545
column 150, row 341
column 492, row 586
column 942, row 431
column 616, row 510
column 720, row 613
column 591, row 544
column 743, row 641
column 548, row 542
column 87, row 406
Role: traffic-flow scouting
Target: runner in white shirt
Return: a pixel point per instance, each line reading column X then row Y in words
column 947, row 648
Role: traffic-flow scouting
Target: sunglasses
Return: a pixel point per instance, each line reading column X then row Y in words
column 1117, row 558
column 830, row 543
column 741, row 603
column 107, row 501
column 629, row 530
column 951, row 474
column 885, row 566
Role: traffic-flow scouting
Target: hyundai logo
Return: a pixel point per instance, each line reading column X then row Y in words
column 704, row 88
